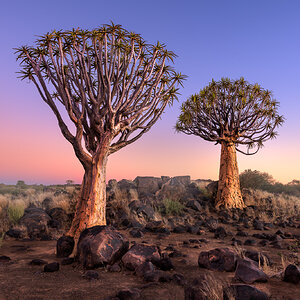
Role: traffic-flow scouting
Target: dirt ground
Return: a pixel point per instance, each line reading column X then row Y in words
column 19, row 280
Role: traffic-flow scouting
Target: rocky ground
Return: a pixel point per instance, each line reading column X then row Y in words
column 154, row 248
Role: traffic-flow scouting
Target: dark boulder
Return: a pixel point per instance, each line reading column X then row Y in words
column 250, row 242
column 220, row 233
column 129, row 294
column 99, row 246
column 258, row 225
column 194, row 204
column 38, row 262
column 144, row 268
column 244, row 292
column 59, row 216
column 148, row 184
column 136, row 233
column 64, row 246
column 259, row 257
column 248, row 271
column 163, row 263
column 52, row 267
column 35, row 220
column 15, row 233
column 4, row 258
column 138, row 254
column 221, row 259
column 292, row 274
column 114, row 268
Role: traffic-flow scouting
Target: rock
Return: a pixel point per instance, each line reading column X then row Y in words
column 250, row 242
column 193, row 229
column 148, row 184
column 64, row 246
column 244, row 292
column 241, row 233
column 247, row 271
column 221, row 259
column 35, row 220
column 59, row 215
column 114, row 268
column 163, row 263
column 292, row 274
column 99, row 246
column 179, row 229
column 194, row 204
column 91, row 275
column 47, row 203
column 138, row 254
column 144, row 268
column 154, row 226
column 5, row 258
column 258, row 225
column 67, row 261
column 136, row 233
column 220, row 233
column 129, row 294
column 211, row 224
column 258, row 257
column 38, row 262
column 15, row 233
column 52, row 267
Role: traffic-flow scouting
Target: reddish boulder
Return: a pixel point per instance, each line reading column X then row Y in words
column 138, row 254
column 99, row 246
column 244, row 292
column 221, row 259
column 247, row 271
column 292, row 274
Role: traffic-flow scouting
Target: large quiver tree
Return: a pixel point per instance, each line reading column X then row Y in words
column 233, row 114
column 112, row 85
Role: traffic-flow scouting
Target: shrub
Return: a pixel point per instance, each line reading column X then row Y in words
column 172, row 207
column 15, row 211
column 256, row 180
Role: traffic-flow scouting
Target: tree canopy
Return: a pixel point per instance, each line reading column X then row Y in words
column 231, row 111
column 113, row 85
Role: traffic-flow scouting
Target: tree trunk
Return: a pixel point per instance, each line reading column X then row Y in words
column 229, row 193
column 91, row 204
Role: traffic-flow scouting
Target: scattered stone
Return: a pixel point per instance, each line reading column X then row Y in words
column 221, row 259
column 250, row 242
column 179, row 279
column 193, row 229
column 14, row 233
column 5, row 258
column 138, row 254
column 244, row 292
column 52, row 267
column 242, row 233
column 247, row 271
column 258, row 225
column 220, row 233
column 292, row 274
column 194, row 204
column 129, row 294
column 91, row 275
column 163, row 263
column 59, row 215
column 99, row 246
column 38, row 262
column 179, row 229
column 114, row 268
column 136, row 233
column 64, row 246
column 144, row 268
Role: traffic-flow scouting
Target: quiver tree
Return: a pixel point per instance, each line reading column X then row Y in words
column 233, row 114
column 113, row 87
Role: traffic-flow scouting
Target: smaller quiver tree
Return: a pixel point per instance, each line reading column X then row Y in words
column 233, row 113
column 112, row 86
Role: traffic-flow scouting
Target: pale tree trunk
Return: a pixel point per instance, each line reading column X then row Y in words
column 91, row 204
column 229, row 193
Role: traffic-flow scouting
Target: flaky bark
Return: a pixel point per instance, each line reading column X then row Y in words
column 91, row 204
column 229, row 192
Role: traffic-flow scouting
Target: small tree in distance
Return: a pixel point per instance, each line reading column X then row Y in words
column 232, row 113
column 112, row 85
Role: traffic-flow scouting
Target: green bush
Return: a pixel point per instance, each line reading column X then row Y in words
column 172, row 207
column 15, row 212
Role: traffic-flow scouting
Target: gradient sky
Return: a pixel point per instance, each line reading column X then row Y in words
column 256, row 39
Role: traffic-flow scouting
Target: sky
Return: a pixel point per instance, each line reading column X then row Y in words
column 256, row 39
